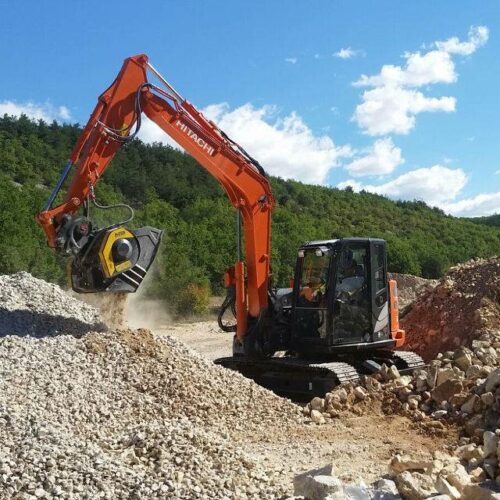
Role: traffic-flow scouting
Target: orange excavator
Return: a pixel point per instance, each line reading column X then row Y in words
column 337, row 320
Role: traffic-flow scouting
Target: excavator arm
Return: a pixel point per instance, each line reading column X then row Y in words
column 116, row 121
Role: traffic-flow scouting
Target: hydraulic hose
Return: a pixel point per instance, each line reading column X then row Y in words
column 229, row 302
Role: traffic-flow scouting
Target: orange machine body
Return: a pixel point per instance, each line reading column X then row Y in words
column 110, row 125
column 396, row 333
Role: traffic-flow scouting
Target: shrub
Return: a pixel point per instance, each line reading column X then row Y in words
column 193, row 300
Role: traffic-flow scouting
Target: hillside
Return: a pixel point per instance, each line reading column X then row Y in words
column 491, row 220
column 170, row 191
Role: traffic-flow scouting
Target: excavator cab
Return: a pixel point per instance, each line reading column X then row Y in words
column 340, row 296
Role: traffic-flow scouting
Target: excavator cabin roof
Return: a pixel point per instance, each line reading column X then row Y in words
column 319, row 243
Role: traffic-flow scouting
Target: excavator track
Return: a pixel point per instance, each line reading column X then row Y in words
column 405, row 361
column 303, row 379
column 298, row 378
column 410, row 359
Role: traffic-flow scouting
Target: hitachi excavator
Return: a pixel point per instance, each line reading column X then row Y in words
column 339, row 318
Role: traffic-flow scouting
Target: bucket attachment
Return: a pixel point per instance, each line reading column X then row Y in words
column 114, row 260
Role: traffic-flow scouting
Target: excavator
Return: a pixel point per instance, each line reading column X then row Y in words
column 337, row 319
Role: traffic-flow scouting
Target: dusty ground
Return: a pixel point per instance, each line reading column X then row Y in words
column 204, row 337
column 358, row 447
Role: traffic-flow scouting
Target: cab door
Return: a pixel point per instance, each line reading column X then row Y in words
column 379, row 289
column 351, row 301
column 311, row 320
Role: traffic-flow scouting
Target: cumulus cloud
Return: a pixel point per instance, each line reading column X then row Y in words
column 392, row 101
column 381, row 159
column 285, row 146
column 291, row 60
column 478, row 36
column 46, row 112
column 346, row 53
column 151, row 133
column 393, row 109
column 436, row 185
column 476, row 206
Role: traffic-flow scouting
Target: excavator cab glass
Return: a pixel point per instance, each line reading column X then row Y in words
column 340, row 296
column 351, row 311
column 311, row 305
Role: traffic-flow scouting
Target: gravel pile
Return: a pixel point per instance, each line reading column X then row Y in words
column 123, row 414
column 458, row 310
column 410, row 289
column 29, row 306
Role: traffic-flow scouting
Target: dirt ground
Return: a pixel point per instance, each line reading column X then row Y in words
column 359, row 447
column 204, row 337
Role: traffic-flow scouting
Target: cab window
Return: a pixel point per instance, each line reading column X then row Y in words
column 314, row 278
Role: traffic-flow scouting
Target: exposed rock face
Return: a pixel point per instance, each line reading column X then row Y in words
column 458, row 310
column 410, row 288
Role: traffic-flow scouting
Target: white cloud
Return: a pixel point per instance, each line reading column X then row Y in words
column 392, row 109
column 497, row 172
column 433, row 67
column 381, row 159
column 151, row 133
column 285, row 146
column 392, row 102
column 482, row 204
column 435, row 185
column 46, row 112
column 291, row 60
column 64, row 113
column 346, row 53
column 478, row 36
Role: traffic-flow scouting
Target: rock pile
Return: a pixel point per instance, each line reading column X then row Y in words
column 410, row 288
column 459, row 388
column 29, row 306
column 463, row 305
column 123, row 414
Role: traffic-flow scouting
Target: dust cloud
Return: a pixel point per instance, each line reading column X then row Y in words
column 147, row 313
column 112, row 307
column 135, row 310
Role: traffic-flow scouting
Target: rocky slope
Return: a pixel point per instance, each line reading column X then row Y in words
column 459, row 389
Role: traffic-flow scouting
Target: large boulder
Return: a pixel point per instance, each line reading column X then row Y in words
column 446, row 390
column 318, row 484
column 415, row 486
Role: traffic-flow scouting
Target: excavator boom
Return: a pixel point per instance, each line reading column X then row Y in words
column 114, row 122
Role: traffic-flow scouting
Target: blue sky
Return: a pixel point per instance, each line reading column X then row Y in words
column 280, row 77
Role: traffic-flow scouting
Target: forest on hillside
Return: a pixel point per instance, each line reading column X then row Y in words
column 490, row 220
column 169, row 190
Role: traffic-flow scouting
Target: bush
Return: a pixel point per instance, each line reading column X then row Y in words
column 193, row 300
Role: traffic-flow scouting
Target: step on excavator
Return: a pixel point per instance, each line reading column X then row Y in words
column 337, row 320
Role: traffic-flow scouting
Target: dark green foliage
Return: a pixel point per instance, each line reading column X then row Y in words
column 170, row 191
column 491, row 220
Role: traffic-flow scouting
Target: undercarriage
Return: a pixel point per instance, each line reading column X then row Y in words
column 301, row 378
